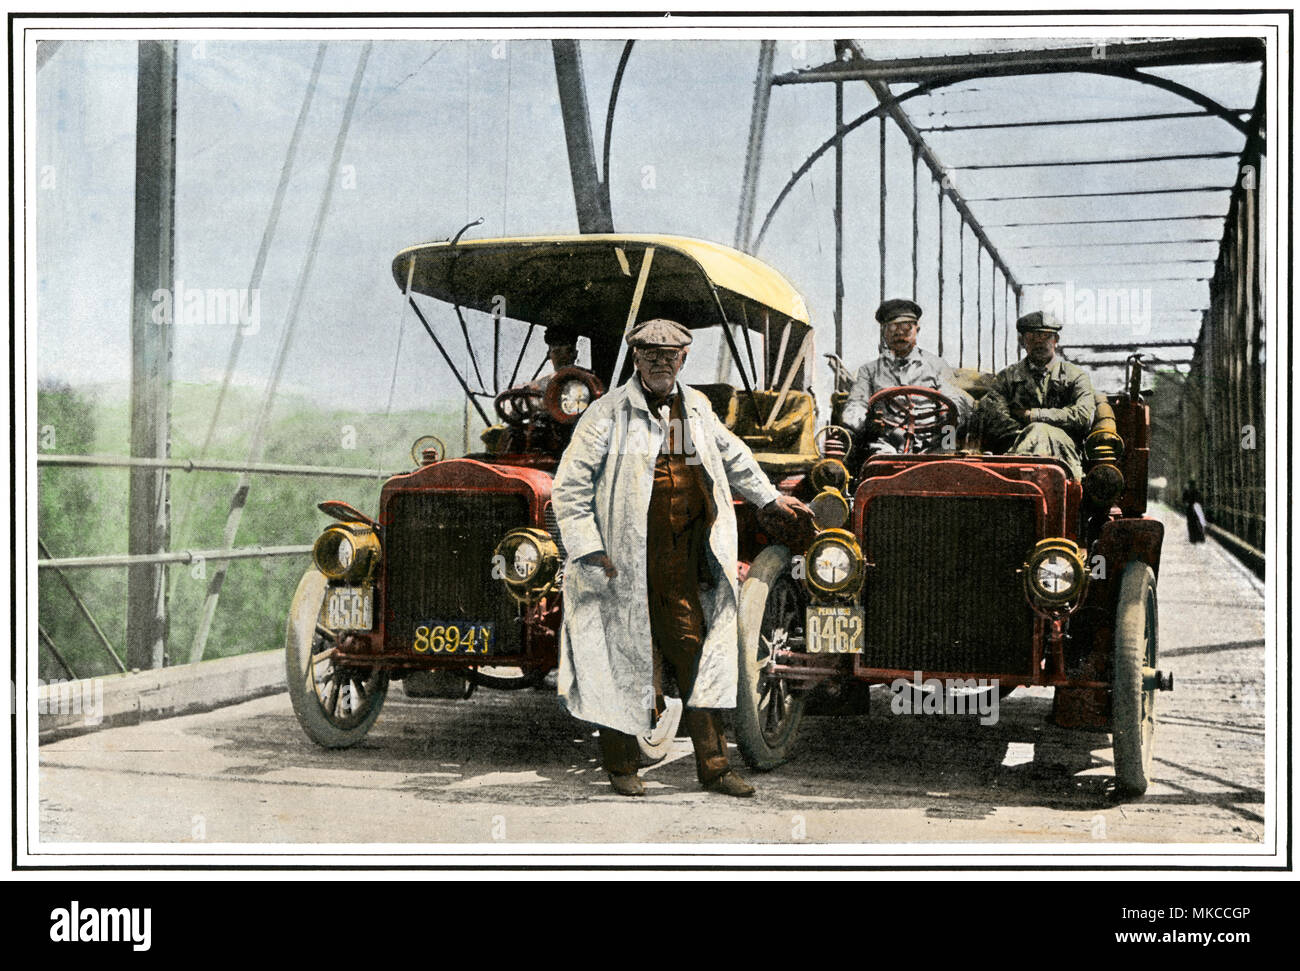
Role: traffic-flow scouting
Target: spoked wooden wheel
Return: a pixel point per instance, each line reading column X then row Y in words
column 336, row 705
column 1133, row 710
column 768, row 712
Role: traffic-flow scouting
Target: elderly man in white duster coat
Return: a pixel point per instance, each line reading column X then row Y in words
column 643, row 498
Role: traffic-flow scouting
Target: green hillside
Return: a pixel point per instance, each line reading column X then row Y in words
column 84, row 511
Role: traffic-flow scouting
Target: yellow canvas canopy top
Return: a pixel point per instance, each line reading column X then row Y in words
column 587, row 283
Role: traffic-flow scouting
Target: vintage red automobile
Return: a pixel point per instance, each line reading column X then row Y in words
column 456, row 582
column 964, row 567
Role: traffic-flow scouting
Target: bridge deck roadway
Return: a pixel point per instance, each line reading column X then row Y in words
column 510, row 768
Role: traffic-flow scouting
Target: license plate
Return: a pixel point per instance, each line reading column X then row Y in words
column 834, row 630
column 348, row 608
column 460, row 637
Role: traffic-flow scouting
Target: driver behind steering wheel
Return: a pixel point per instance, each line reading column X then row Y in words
column 530, row 428
column 561, row 351
column 901, row 363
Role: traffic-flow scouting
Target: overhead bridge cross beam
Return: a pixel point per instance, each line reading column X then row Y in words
column 1072, row 163
column 1115, row 242
column 1149, row 364
column 1058, row 122
column 1101, row 279
column 1098, row 222
column 1161, row 53
column 1131, row 347
column 1095, row 195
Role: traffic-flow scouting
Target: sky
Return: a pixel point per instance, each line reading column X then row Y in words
column 447, row 131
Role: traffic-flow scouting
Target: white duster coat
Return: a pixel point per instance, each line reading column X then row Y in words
column 602, row 501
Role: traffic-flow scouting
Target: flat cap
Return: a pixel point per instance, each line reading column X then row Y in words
column 1038, row 320
column 896, row 308
column 659, row 333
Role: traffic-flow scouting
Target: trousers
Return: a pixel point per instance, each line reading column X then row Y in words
column 1040, row 438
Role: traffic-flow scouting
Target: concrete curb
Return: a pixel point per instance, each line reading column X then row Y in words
column 75, row 707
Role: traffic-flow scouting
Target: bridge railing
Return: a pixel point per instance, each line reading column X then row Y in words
column 58, row 565
column 1220, row 421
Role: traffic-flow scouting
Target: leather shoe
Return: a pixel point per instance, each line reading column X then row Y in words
column 627, row 785
column 730, row 784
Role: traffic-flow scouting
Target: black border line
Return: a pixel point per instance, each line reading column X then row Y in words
column 763, row 19
column 13, row 478
column 1290, row 442
column 660, row 13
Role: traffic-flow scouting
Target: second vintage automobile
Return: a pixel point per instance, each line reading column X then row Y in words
column 964, row 569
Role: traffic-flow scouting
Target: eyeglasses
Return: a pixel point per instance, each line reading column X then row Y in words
column 901, row 324
column 659, row 355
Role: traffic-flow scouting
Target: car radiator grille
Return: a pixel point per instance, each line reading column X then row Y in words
column 438, row 564
column 944, row 595
column 553, row 527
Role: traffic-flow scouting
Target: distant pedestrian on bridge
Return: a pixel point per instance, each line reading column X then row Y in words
column 1192, row 505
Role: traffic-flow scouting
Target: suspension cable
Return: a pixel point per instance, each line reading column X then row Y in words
column 257, row 443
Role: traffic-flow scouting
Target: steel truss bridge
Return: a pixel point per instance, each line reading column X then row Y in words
column 1212, row 428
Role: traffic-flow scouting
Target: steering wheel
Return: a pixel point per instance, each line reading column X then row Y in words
column 910, row 416
column 571, row 391
column 515, row 406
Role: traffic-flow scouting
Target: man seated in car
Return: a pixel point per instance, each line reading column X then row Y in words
column 561, row 351
column 901, row 364
column 1042, row 404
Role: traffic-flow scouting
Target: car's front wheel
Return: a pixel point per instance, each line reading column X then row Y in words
column 336, row 705
column 768, row 711
column 1133, row 709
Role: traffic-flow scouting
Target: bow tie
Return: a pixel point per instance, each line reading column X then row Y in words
column 657, row 401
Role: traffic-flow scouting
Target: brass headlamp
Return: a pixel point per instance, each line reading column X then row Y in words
column 1056, row 574
column 530, row 560
column 834, row 565
column 347, row 551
